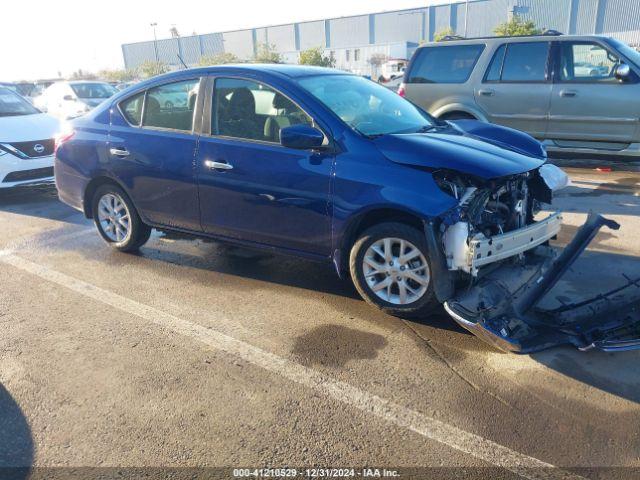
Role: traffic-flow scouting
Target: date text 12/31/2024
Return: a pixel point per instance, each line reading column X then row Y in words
column 315, row 473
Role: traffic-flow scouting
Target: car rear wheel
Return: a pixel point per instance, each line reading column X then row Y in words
column 391, row 270
column 117, row 220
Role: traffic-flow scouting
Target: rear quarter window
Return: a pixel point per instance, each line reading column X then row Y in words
column 444, row 64
column 131, row 108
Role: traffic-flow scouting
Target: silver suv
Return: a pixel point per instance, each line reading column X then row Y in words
column 579, row 94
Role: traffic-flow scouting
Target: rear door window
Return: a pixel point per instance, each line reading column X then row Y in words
column 526, row 62
column 171, row 106
column 445, row 64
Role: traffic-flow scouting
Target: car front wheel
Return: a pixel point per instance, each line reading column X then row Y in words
column 391, row 270
column 117, row 220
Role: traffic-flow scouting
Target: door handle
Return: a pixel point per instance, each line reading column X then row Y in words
column 211, row 165
column 119, row 152
column 568, row 93
column 487, row 93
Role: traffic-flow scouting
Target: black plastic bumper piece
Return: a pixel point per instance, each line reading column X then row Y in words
column 502, row 307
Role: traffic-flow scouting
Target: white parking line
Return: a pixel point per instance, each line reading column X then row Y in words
column 461, row 440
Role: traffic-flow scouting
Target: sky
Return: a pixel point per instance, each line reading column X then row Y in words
column 51, row 37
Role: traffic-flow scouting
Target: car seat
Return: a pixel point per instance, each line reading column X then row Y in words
column 287, row 114
column 239, row 119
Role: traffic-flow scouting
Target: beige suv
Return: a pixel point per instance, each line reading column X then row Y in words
column 579, row 94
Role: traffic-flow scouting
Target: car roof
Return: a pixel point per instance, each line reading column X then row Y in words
column 83, row 82
column 548, row 37
column 291, row 71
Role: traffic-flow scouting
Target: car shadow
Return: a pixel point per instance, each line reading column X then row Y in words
column 40, row 202
column 16, row 441
column 319, row 278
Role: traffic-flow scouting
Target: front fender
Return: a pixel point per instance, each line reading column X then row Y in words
column 460, row 107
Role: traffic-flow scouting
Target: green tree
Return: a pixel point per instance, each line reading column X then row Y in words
column 517, row 26
column 119, row 75
column 151, row 68
column 315, row 56
column 82, row 75
column 218, row 59
column 442, row 34
column 266, row 53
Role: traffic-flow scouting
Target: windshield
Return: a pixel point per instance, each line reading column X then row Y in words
column 629, row 52
column 367, row 107
column 13, row 105
column 9, row 86
column 93, row 90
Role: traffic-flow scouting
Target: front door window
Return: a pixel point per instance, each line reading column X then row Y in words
column 250, row 110
column 587, row 62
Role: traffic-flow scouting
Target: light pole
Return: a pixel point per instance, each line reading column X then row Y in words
column 155, row 43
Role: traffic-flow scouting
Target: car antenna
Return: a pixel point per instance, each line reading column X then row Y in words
column 182, row 61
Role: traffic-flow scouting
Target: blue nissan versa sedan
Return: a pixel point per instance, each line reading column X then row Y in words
column 331, row 166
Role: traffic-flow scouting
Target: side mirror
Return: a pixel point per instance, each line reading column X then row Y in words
column 301, row 137
column 68, row 98
column 623, row 72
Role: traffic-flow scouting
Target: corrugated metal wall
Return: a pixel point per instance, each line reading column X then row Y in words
column 312, row 35
column 349, row 31
column 621, row 15
column 587, row 11
column 262, row 35
column 240, row 43
column 619, row 18
column 441, row 19
column 190, row 49
column 283, row 37
column 403, row 26
column 549, row 14
column 484, row 15
column 212, row 44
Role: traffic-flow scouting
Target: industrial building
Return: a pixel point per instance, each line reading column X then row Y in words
column 352, row 41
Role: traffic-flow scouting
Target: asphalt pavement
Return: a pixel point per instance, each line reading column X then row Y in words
column 193, row 354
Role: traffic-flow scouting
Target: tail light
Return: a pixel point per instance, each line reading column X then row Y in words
column 402, row 91
column 61, row 138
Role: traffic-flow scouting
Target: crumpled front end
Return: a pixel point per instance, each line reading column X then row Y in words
column 505, row 267
column 494, row 219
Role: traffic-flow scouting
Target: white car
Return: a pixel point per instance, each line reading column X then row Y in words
column 27, row 142
column 67, row 100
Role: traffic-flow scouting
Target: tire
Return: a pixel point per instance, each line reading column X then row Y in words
column 457, row 116
column 370, row 245
column 136, row 234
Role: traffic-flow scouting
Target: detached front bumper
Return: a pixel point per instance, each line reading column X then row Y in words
column 502, row 308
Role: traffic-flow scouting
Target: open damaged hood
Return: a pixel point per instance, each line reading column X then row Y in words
column 467, row 146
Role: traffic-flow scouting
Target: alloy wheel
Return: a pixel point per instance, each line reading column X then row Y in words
column 114, row 217
column 396, row 271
